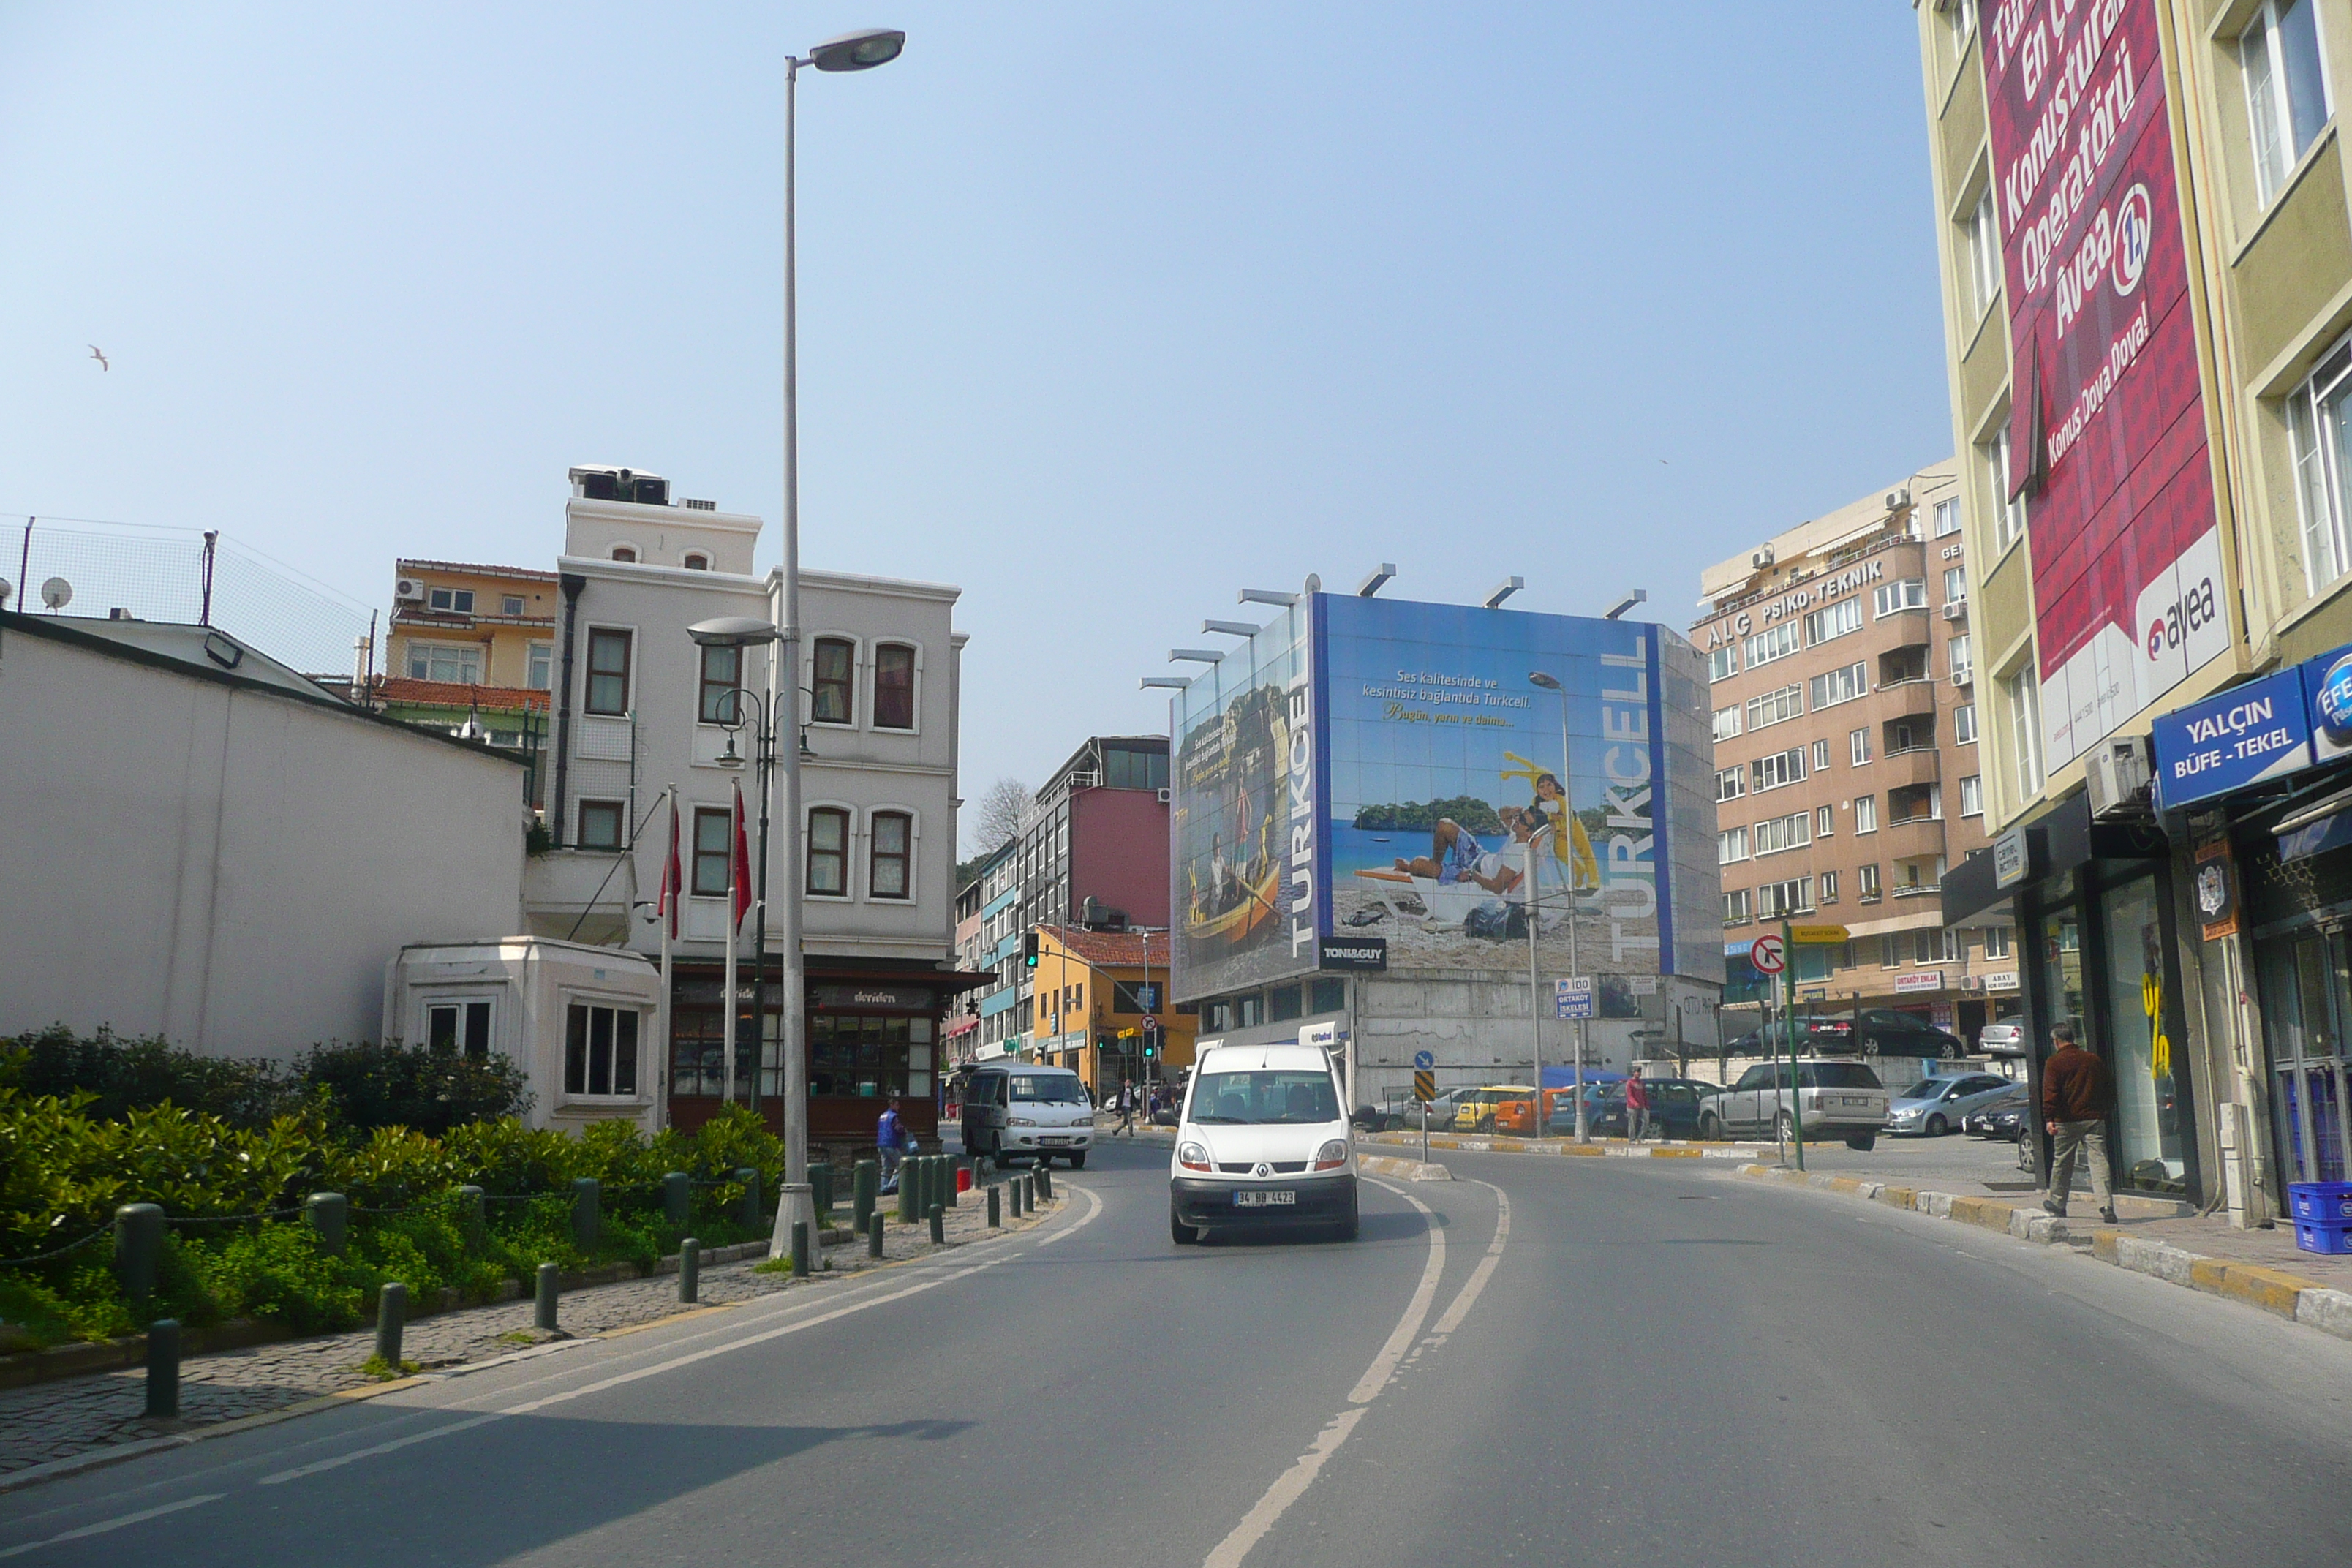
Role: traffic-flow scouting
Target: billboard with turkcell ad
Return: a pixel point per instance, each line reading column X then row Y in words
column 1430, row 783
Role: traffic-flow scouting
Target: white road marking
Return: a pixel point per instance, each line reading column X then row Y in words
column 1095, row 1206
column 1476, row 1284
column 618, row 1379
column 1292, row 1484
column 105, row 1525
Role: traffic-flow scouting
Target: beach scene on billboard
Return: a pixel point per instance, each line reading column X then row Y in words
column 1489, row 773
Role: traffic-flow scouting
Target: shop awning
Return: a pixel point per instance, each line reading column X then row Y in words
column 2325, row 823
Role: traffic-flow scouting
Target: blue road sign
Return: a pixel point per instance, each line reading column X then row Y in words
column 1424, row 1060
column 1574, row 997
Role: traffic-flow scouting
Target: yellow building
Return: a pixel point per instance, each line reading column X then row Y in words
column 1089, row 1015
column 459, row 625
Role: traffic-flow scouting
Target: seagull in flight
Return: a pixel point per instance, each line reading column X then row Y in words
column 99, row 357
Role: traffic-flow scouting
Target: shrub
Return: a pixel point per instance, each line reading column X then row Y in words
column 416, row 1087
column 118, row 1074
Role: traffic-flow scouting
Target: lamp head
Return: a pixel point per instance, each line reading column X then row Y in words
column 733, row 631
column 858, row 51
column 1549, row 682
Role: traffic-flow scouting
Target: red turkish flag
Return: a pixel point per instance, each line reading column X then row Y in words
column 742, row 862
column 672, row 881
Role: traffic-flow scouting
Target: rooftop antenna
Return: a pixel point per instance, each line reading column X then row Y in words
column 57, row 594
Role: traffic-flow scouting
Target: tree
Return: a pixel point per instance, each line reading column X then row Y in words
column 996, row 816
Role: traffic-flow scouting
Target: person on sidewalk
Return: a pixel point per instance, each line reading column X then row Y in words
column 1637, row 1109
column 890, row 1143
column 2075, row 1093
column 1126, row 1108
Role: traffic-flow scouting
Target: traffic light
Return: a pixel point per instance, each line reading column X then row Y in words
column 1029, row 950
column 1150, row 1047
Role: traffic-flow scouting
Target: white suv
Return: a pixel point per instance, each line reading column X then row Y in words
column 1262, row 1140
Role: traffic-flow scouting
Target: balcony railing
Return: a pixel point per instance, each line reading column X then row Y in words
column 1918, row 889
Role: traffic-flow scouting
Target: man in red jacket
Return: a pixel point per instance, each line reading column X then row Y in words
column 2076, row 1092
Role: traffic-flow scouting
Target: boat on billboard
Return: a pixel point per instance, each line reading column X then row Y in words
column 2107, row 422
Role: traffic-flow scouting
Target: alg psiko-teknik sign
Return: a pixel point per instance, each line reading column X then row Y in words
column 2108, row 423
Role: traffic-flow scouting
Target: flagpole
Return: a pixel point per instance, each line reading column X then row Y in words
column 734, row 823
column 667, row 910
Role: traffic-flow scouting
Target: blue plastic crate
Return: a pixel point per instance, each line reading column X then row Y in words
column 2328, row 1201
column 2332, row 1238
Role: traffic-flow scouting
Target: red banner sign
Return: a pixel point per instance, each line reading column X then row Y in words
column 2108, row 423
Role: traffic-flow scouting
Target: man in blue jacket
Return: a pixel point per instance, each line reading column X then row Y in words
column 890, row 1142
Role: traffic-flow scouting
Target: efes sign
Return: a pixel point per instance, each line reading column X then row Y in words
column 2328, row 684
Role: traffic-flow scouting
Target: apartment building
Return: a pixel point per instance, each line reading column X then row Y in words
column 2146, row 297
column 1847, row 753
column 470, row 648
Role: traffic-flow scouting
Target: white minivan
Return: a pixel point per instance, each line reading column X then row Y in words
column 1262, row 1142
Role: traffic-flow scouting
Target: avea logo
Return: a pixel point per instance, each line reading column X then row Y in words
column 2134, row 232
column 2335, row 694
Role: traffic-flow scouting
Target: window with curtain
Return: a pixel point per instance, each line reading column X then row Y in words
column 828, row 852
column 894, row 686
column 722, row 674
column 892, row 854
column 711, row 857
column 608, row 671
column 832, row 692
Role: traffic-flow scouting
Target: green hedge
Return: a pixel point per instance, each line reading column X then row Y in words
column 64, row 1171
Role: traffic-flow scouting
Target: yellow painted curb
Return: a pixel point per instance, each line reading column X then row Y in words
column 2270, row 1290
column 1990, row 1214
column 1896, row 1197
column 1677, row 1154
column 1846, row 1184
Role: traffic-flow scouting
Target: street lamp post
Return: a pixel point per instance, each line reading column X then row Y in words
column 740, row 632
column 855, row 51
column 1568, row 811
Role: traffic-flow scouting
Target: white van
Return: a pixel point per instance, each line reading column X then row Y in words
column 1262, row 1140
column 1014, row 1110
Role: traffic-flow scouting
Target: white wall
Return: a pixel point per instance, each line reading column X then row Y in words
column 229, row 866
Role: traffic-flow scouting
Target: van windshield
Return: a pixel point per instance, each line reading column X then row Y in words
column 1048, row 1088
column 1241, row 1099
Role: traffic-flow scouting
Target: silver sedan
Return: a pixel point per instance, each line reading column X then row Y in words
column 1934, row 1106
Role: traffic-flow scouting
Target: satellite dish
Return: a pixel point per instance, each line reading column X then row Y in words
column 5, row 590
column 56, row 593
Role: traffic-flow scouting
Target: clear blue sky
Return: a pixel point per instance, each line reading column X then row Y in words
column 1107, row 310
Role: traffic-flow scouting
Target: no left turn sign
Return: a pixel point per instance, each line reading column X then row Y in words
column 1768, row 955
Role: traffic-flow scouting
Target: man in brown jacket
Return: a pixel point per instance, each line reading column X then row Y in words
column 2075, row 1095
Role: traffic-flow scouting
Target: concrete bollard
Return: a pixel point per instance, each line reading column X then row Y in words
column 995, row 1214
column 164, row 1370
column 330, row 1215
column 678, row 1199
column 907, row 1210
column 1016, row 1194
column 873, row 1234
column 1029, row 1194
column 549, row 1283
column 587, row 1212
column 391, row 1317
column 800, row 1249
column 821, row 1189
column 755, row 1214
column 138, row 1246
column 938, row 1226
column 473, row 1221
column 865, row 1181
column 689, row 1270
column 1044, row 1181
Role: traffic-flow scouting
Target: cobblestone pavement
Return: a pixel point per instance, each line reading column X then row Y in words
column 57, row 1420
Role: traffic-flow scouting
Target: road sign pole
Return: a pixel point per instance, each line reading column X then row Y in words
column 1788, row 1027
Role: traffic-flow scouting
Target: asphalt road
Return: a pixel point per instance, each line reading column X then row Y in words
column 1584, row 1362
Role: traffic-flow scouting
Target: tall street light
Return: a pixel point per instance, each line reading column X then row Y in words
column 850, row 52
column 1567, row 812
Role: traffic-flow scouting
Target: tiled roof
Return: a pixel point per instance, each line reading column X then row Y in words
column 1114, row 949
column 457, row 694
column 525, row 573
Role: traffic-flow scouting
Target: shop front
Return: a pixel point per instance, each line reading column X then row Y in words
column 874, row 1033
column 2097, row 940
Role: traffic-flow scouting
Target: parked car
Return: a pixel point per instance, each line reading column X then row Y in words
column 2005, row 1038
column 1475, row 1112
column 1673, row 1108
column 1883, row 1032
column 1998, row 1117
column 1829, row 1099
column 1934, row 1106
column 1815, row 1038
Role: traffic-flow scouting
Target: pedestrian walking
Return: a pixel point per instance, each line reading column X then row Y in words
column 2076, row 1091
column 1126, row 1108
column 1637, row 1109
column 890, row 1142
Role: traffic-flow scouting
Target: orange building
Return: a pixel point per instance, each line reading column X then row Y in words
column 1089, row 1012
column 459, row 625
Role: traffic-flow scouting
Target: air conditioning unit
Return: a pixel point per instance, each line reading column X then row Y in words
column 1760, row 557
column 1898, row 501
column 408, row 591
column 1164, row 796
column 1957, row 610
column 1965, row 676
column 2115, row 775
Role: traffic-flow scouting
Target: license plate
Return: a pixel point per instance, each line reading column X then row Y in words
column 1056, row 1142
column 1263, row 1200
column 1850, row 1100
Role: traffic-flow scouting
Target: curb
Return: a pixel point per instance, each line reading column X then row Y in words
column 1403, row 1169
column 2255, row 1285
column 1506, row 1145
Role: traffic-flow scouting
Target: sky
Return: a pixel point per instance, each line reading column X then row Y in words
column 1106, row 312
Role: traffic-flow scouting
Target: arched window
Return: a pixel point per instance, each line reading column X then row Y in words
column 696, row 561
column 828, row 852
column 832, row 692
column 624, row 553
column 894, row 686
column 891, row 857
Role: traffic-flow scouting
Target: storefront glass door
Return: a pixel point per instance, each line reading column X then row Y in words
column 2149, row 1097
column 2306, row 995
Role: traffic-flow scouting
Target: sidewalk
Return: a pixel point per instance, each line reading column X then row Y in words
column 46, row 1423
